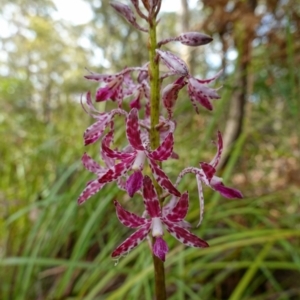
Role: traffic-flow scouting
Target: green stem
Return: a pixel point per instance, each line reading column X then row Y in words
column 159, row 275
column 159, row 271
column 154, row 86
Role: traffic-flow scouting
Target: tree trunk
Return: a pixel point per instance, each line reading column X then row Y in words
column 244, row 35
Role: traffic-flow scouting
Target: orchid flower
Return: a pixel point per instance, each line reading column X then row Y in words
column 126, row 165
column 113, row 90
column 117, row 86
column 206, row 174
column 156, row 222
column 135, row 159
column 200, row 93
column 93, row 186
column 95, row 131
column 197, row 90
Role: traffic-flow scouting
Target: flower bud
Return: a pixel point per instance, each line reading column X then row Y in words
column 194, row 39
column 125, row 11
column 147, row 4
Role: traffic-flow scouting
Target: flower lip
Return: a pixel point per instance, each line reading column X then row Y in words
column 160, row 248
column 134, row 183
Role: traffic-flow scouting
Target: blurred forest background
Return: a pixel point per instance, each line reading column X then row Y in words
column 52, row 249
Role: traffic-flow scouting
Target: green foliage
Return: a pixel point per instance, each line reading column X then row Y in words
column 52, row 249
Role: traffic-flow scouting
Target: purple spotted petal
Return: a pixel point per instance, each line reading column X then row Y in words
column 109, row 137
column 185, row 236
column 127, row 218
column 208, row 170
column 170, row 94
column 133, row 131
column 117, row 171
column 116, row 154
column 196, row 95
column 200, row 176
column 227, row 192
column 179, row 212
column 138, row 93
column 105, row 93
column 92, row 188
column 162, row 179
column 217, row 157
column 146, row 90
column 173, row 62
column 100, row 77
column 92, row 165
column 160, row 248
column 164, row 151
column 167, row 208
column 108, row 153
column 118, row 96
column 92, row 111
column 94, row 132
column 209, row 80
column 113, row 90
column 134, row 183
column 134, row 240
column 201, row 199
column 109, row 162
column 192, row 170
column 150, row 198
column 136, row 103
column 199, row 93
column 130, row 84
column 143, row 75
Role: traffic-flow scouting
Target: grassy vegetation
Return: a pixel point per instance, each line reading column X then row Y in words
column 53, row 249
